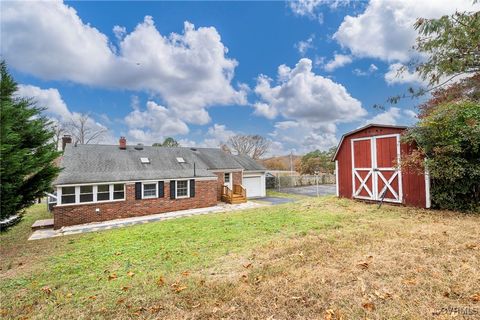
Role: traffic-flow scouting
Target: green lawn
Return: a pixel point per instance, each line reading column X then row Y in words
column 132, row 271
column 79, row 266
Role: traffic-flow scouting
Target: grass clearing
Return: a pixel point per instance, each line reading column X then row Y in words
column 318, row 257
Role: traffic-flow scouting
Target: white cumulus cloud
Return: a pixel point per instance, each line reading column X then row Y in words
column 385, row 29
column 399, row 74
column 303, row 95
column 339, row 60
column 46, row 98
column 154, row 124
column 188, row 71
column 388, row 117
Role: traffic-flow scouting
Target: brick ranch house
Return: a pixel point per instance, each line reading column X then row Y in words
column 105, row 182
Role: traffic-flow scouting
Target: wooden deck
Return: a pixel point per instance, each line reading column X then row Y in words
column 237, row 195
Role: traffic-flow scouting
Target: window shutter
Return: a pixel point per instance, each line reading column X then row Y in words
column 172, row 189
column 161, row 191
column 192, row 188
column 138, row 190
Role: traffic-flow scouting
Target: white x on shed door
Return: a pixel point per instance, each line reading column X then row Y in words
column 374, row 172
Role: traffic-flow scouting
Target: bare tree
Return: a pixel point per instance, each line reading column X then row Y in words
column 84, row 130
column 254, row 146
column 59, row 130
column 225, row 148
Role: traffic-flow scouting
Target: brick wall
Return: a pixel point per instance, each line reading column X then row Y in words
column 237, row 177
column 220, row 183
column 205, row 196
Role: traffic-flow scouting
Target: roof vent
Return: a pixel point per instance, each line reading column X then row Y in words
column 180, row 160
column 193, row 149
column 144, row 160
column 139, row 146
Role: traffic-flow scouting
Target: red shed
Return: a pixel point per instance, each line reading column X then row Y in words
column 365, row 164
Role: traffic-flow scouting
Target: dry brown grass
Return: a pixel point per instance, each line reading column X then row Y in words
column 388, row 263
column 405, row 267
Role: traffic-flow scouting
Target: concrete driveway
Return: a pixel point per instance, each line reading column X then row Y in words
column 275, row 200
column 323, row 190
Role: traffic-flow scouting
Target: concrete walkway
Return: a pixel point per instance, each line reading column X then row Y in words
column 120, row 223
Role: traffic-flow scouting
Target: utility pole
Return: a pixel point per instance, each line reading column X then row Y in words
column 291, row 169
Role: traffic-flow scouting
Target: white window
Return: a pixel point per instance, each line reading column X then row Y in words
column 118, row 191
column 144, row 160
column 149, row 190
column 180, row 160
column 92, row 193
column 68, row 195
column 227, row 177
column 86, row 193
column 182, row 187
column 103, row 192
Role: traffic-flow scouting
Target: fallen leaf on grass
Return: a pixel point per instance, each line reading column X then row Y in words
column 112, row 276
column 92, row 297
column 383, row 296
column 130, row 274
column 410, row 282
column 363, row 265
column 155, row 309
column 248, row 265
column 47, row 290
column 68, row 295
column 369, row 306
column 161, row 281
column 471, row 246
column 328, row 315
column 476, row 297
column 185, row 273
column 244, row 278
column 177, row 287
column 258, row 279
column 121, row 300
column 125, row 288
column 180, row 289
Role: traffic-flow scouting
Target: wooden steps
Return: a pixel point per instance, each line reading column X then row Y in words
column 235, row 196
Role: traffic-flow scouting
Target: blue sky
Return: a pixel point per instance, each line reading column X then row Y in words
column 299, row 73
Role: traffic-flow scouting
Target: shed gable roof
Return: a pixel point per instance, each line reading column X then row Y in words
column 371, row 125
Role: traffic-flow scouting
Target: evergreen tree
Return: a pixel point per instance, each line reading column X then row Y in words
column 27, row 150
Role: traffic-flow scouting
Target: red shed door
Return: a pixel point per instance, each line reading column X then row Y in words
column 363, row 174
column 374, row 172
column 387, row 175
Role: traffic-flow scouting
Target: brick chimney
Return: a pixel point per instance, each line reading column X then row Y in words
column 66, row 139
column 122, row 143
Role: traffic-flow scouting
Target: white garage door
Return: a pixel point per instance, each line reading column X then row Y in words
column 253, row 186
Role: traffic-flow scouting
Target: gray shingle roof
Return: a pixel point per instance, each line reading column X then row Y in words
column 249, row 164
column 108, row 163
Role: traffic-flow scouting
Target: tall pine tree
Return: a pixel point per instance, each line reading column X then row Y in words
column 27, row 150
